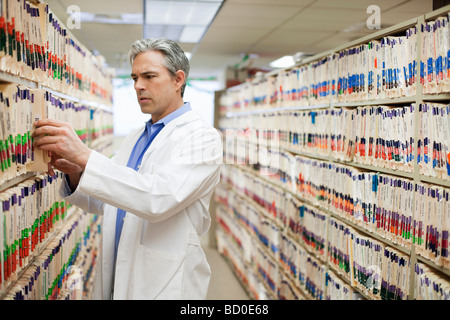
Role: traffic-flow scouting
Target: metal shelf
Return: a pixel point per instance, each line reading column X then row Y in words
column 436, row 13
column 433, row 265
column 75, row 99
column 269, row 110
column 16, row 180
column 441, row 182
column 436, row 97
column 393, row 172
column 398, row 100
column 10, row 78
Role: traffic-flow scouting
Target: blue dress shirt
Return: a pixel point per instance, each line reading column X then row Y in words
column 150, row 132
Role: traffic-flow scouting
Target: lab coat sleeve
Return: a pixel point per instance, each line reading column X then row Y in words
column 83, row 201
column 190, row 170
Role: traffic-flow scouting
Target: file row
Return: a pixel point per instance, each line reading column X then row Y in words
column 21, row 106
column 396, row 209
column 30, row 213
column 35, row 45
column 62, row 270
column 377, row 136
column 382, row 68
column 354, row 263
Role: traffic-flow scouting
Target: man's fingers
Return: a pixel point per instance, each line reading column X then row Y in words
column 50, row 169
column 63, row 163
column 45, row 140
column 50, row 127
column 55, row 156
column 49, row 122
column 61, row 138
column 66, row 166
column 47, row 130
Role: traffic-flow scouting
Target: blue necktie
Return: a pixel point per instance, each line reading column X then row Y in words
column 134, row 162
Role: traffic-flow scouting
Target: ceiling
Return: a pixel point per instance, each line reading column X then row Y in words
column 269, row 29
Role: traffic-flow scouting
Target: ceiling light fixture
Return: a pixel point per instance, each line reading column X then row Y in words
column 283, row 62
column 191, row 18
column 124, row 18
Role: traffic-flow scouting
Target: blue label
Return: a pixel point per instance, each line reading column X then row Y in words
column 302, row 211
column 448, row 59
column 422, row 69
column 430, row 66
column 375, row 183
column 448, row 169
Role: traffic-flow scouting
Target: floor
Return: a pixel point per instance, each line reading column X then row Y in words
column 223, row 285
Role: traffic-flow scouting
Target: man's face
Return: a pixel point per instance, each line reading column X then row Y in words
column 157, row 91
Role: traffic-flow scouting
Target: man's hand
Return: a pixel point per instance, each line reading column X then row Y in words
column 69, row 153
column 63, row 165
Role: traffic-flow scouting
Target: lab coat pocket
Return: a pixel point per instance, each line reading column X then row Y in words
column 198, row 271
column 157, row 275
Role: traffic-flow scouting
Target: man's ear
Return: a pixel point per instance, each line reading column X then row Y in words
column 180, row 78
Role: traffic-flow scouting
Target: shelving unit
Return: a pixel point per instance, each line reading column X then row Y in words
column 76, row 235
column 239, row 112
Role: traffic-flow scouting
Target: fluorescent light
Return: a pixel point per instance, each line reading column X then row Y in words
column 192, row 34
column 283, row 62
column 188, row 55
column 163, row 31
column 180, row 12
column 191, row 16
column 124, row 18
column 166, row 12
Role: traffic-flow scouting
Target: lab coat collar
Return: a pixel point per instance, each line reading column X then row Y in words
column 151, row 127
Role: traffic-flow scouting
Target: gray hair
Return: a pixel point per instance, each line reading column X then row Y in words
column 174, row 57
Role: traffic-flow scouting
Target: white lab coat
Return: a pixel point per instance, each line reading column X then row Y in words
column 167, row 204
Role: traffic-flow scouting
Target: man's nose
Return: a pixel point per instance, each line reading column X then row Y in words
column 138, row 85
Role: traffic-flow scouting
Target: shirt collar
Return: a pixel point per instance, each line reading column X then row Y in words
column 175, row 114
column 171, row 116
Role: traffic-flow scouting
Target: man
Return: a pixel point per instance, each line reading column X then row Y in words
column 155, row 192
